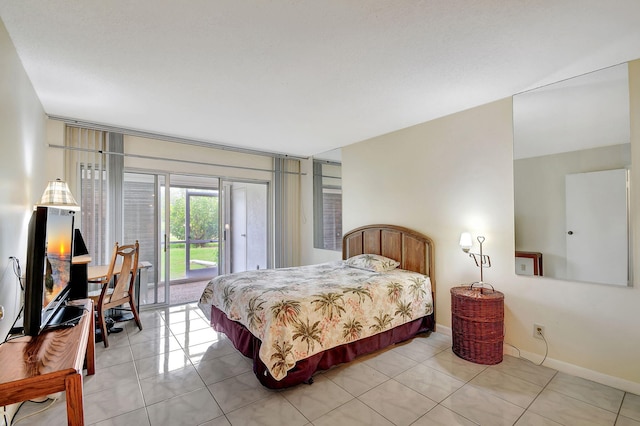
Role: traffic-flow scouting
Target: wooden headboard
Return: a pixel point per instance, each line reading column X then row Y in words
column 413, row 250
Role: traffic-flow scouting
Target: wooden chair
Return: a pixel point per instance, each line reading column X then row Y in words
column 123, row 288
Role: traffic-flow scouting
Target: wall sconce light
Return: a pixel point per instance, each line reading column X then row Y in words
column 482, row 260
column 58, row 195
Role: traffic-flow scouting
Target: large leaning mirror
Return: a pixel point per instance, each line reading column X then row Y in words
column 572, row 158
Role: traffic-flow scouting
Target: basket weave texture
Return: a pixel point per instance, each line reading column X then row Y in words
column 477, row 323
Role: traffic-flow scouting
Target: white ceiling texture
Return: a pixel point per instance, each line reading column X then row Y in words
column 301, row 77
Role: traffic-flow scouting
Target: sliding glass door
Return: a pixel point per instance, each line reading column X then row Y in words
column 192, row 228
column 143, row 214
column 192, row 237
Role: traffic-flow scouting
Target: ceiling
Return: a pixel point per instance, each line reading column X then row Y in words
column 301, row 77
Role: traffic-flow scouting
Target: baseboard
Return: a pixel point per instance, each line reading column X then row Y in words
column 565, row 367
column 443, row 329
column 574, row 370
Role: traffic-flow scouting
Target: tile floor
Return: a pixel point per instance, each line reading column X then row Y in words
column 178, row 371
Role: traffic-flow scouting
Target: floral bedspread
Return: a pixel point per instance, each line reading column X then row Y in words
column 297, row 312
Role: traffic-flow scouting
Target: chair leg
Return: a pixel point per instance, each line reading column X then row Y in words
column 103, row 328
column 132, row 303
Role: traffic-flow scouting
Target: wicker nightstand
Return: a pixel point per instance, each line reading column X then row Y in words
column 477, row 324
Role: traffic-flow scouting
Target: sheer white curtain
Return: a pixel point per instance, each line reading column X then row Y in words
column 287, row 212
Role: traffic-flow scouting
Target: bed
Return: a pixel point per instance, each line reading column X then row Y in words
column 294, row 322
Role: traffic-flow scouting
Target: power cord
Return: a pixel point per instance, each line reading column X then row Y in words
column 546, row 350
column 53, row 401
column 11, row 336
column 17, row 270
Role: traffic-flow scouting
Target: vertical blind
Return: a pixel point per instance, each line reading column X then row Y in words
column 86, row 173
column 287, row 212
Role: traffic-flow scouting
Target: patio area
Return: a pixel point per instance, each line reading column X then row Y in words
column 179, row 293
column 186, row 292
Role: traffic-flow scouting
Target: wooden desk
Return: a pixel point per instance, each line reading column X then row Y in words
column 95, row 272
column 51, row 362
column 83, row 259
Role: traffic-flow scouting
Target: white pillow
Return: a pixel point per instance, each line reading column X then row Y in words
column 372, row 262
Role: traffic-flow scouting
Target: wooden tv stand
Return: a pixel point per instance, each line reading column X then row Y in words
column 51, row 362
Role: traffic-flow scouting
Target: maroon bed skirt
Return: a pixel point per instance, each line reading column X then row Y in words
column 249, row 346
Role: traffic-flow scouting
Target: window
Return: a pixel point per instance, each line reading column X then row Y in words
column 327, row 205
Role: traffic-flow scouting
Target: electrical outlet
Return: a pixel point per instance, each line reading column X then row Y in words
column 538, row 331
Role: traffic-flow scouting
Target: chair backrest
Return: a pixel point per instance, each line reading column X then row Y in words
column 127, row 255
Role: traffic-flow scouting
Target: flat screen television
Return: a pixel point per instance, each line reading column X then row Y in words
column 48, row 270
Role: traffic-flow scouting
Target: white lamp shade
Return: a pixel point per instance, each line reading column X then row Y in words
column 57, row 195
column 465, row 241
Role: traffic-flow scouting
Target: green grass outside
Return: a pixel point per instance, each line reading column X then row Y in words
column 178, row 255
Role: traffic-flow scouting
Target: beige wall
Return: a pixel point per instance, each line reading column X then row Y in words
column 455, row 174
column 23, row 170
